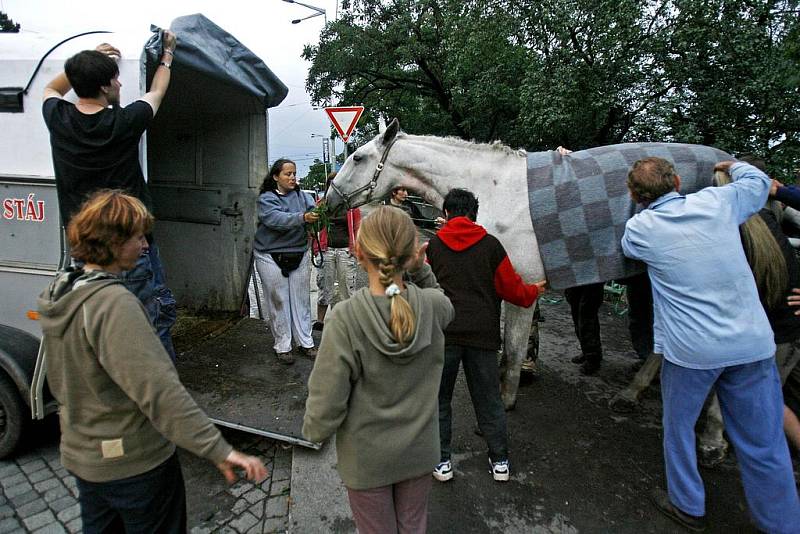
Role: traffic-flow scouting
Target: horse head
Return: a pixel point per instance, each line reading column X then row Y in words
column 367, row 174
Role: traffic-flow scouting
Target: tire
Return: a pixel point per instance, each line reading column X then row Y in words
column 12, row 417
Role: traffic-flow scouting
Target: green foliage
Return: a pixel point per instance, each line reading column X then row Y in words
column 7, row 25
column 577, row 73
column 315, row 179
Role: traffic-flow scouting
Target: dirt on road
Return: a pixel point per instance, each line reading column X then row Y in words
column 576, row 465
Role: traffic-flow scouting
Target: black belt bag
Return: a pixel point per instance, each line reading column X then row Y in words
column 287, row 261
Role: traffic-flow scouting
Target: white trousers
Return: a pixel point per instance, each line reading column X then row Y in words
column 286, row 302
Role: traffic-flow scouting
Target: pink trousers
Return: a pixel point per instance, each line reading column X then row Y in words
column 400, row 508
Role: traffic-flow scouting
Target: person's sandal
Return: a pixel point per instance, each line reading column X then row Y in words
column 661, row 501
column 309, row 352
column 285, row 357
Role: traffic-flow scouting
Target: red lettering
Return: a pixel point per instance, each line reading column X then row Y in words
column 19, row 204
column 8, row 209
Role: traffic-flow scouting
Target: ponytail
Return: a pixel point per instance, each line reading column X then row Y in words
column 402, row 320
column 388, row 238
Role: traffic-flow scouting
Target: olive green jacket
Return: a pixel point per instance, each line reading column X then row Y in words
column 378, row 396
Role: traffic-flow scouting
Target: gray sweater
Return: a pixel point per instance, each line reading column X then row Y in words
column 281, row 227
column 379, row 397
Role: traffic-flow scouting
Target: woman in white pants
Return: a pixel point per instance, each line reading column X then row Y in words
column 281, row 255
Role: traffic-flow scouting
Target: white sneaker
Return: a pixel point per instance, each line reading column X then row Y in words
column 443, row 472
column 500, row 470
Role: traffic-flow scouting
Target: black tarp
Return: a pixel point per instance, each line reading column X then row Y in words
column 206, row 48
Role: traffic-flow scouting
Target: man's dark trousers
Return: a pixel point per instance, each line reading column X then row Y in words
column 154, row 501
column 584, row 303
column 640, row 313
column 483, row 381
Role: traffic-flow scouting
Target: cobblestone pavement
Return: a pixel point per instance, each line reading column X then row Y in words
column 38, row 495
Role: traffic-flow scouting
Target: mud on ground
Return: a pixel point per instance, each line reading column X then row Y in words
column 576, row 465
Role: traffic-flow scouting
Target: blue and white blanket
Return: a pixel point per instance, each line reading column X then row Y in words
column 579, row 205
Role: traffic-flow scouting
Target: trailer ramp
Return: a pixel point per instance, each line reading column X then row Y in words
column 236, row 378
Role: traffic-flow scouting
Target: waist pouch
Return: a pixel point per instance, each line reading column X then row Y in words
column 287, row 261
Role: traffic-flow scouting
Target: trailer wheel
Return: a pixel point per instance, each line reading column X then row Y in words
column 11, row 417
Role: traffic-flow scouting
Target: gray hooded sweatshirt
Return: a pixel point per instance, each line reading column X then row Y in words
column 378, row 396
column 121, row 404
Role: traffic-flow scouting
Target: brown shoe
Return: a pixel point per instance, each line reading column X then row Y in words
column 661, row 501
column 589, row 367
column 580, row 358
column 285, row 357
column 309, row 352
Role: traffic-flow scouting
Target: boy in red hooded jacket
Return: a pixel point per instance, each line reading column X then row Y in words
column 476, row 274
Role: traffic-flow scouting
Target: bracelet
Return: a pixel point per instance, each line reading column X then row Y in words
column 170, row 52
column 165, row 64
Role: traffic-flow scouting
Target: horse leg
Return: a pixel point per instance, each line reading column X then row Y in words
column 532, row 354
column 712, row 446
column 517, row 330
column 628, row 399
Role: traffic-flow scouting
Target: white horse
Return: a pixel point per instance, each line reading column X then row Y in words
column 431, row 166
column 499, row 177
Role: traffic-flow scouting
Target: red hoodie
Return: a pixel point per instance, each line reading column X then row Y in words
column 474, row 270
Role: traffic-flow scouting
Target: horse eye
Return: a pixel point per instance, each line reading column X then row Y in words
column 357, row 158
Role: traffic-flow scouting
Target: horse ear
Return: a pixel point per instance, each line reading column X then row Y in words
column 391, row 132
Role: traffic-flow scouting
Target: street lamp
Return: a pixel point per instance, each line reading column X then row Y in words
column 326, row 154
column 319, row 11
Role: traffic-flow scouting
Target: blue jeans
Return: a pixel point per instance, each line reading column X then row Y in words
column 147, row 281
column 483, row 382
column 154, row 501
column 752, row 410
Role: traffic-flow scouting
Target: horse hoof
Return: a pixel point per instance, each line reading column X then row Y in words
column 711, row 457
column 622, row 403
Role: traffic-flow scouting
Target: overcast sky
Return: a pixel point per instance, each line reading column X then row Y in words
column 264, row 26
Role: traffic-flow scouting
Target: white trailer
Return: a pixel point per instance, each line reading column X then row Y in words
column 204, row 157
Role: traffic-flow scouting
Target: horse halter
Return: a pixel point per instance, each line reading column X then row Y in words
column 370, row 186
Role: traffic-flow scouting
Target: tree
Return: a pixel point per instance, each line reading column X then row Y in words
column 316, row 177
column 7, row 25
column 578, row 73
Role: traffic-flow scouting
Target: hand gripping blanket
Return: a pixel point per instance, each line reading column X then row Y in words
column 579, row 205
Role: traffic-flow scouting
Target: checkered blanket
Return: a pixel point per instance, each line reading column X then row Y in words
column 579, row 205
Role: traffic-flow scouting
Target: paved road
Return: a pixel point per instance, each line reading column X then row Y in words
column 38, row 495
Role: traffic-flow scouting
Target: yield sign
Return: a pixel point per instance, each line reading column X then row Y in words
column 344, row 119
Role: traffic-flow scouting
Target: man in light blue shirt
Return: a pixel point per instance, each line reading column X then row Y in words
column 713, row 332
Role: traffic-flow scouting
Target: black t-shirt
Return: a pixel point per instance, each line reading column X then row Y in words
column 338, row 233
column 99, row 151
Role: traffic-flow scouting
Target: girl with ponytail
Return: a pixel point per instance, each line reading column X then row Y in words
column 376, row 378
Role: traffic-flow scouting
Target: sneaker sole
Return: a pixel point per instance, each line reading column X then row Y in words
column 501, row 477
column 443, row 477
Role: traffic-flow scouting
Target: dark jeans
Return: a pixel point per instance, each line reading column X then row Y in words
column 640, row 313
column 584, row 303
column 153, row 502
column 483, row 381
column 147, row 281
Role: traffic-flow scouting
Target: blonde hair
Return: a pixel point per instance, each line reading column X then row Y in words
column 387, row 238
column 763, row 254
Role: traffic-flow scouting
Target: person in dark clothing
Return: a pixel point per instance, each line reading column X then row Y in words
column 584, row 304
column 95, row 145
column 476, row 274
column 639, row 295
column 399, row 199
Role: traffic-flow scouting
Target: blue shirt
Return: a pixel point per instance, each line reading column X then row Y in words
column 281, row 227
column 705, row 301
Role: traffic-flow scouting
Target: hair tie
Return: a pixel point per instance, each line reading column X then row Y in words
column 392, row 290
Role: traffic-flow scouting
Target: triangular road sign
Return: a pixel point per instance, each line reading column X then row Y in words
column 344, row 119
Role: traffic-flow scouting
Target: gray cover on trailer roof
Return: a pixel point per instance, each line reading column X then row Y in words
column 205, row 47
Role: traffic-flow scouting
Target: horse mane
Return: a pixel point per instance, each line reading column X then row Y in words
column 494, row 146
